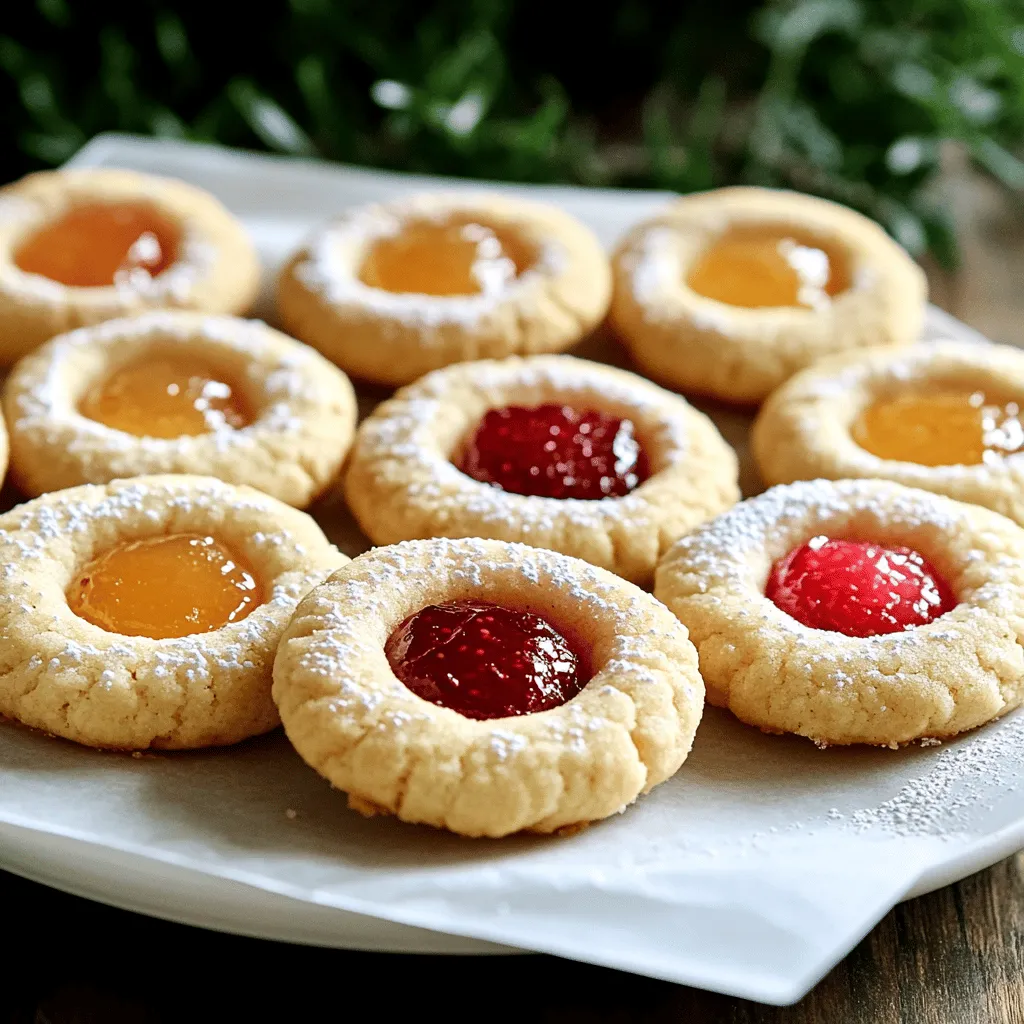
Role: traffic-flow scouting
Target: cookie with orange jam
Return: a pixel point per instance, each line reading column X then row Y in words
column 857, row 611
column 729, row 293
column 392, row 291
column 487, row 688
column 146, row 613
column 173, row 392
column 946, row 417
column 81, row 246
column 552, row 451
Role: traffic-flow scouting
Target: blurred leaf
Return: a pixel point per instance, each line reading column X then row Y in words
column 998, row 161
column 56, row 12
column 268, row 120
column 850, row 99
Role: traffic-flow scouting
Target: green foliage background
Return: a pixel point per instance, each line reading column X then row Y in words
column 857, row 100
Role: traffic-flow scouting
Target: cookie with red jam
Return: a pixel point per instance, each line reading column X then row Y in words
column 487, row 688
column 552, row 451
column 854, row 611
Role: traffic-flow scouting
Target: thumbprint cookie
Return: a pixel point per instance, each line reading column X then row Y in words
column 392, row 291
column 552, row 451
column 81, row 246
column 174, row 392
column 729, row 293
column 857, row 611
column 147, row 612
column 486, row 687
column 945, row 417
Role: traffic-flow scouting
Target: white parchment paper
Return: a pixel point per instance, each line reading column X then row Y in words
column 751, row 872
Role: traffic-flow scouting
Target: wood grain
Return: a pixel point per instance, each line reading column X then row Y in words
column 952, row 957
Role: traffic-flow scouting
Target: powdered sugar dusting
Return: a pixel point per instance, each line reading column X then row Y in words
column 389, row 583
column 824, row 404
column 334, row 255
column 944, row 799
column 283, row 379
column 35, row 539
column 408, row 434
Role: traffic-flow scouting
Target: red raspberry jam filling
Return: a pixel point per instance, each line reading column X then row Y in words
column 483, row 660
column 858, row 588
column 555, row 451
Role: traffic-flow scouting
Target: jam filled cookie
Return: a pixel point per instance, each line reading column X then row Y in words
column 486, row 687
column 945, row 417
column 146, row 613
column 854, row 612
column 552, row 451
column 729, row 293
column 78, row 247
column 389, row 292
column 173, row 392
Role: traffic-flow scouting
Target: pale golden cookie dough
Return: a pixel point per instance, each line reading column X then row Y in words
column 394, row 338
column 738, row 354
column 401, row 483
column 957, row 672
column 62, row 674
column 4, row 450
column 304, row 408
column 352, row 720
column 804, row 429
column 217, row 270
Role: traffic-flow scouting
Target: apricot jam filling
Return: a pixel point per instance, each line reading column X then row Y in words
column 100, row 244
column 943, row 428
column 163, row 587
column 484, row 660
column 166, row 397
column 453, row 257
column 759, row 267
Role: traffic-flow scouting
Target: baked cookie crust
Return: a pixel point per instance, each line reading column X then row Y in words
column 217, row 270
column 304, row 407
column 737, row 354
column 401, row 483
column 957, row 672
column 68, row 677
column 354, row 722
column 804, row 429
column 394, row 338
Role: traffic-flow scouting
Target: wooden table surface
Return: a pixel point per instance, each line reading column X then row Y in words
column 952, row 957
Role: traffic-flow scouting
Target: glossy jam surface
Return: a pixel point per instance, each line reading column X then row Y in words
column 555, row 451
column 858, row 588
column 166, row 398
column 484, row 661
column 941, row 428
column 755, row 267
column 452, row 257
column 165, row 587
column 101, row 244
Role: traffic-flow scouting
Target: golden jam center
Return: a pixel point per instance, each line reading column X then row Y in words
column 942, row 428
column 100, row 244
column 166, row 398
column 758, row 267
column 165, row 587
column 453, row 257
